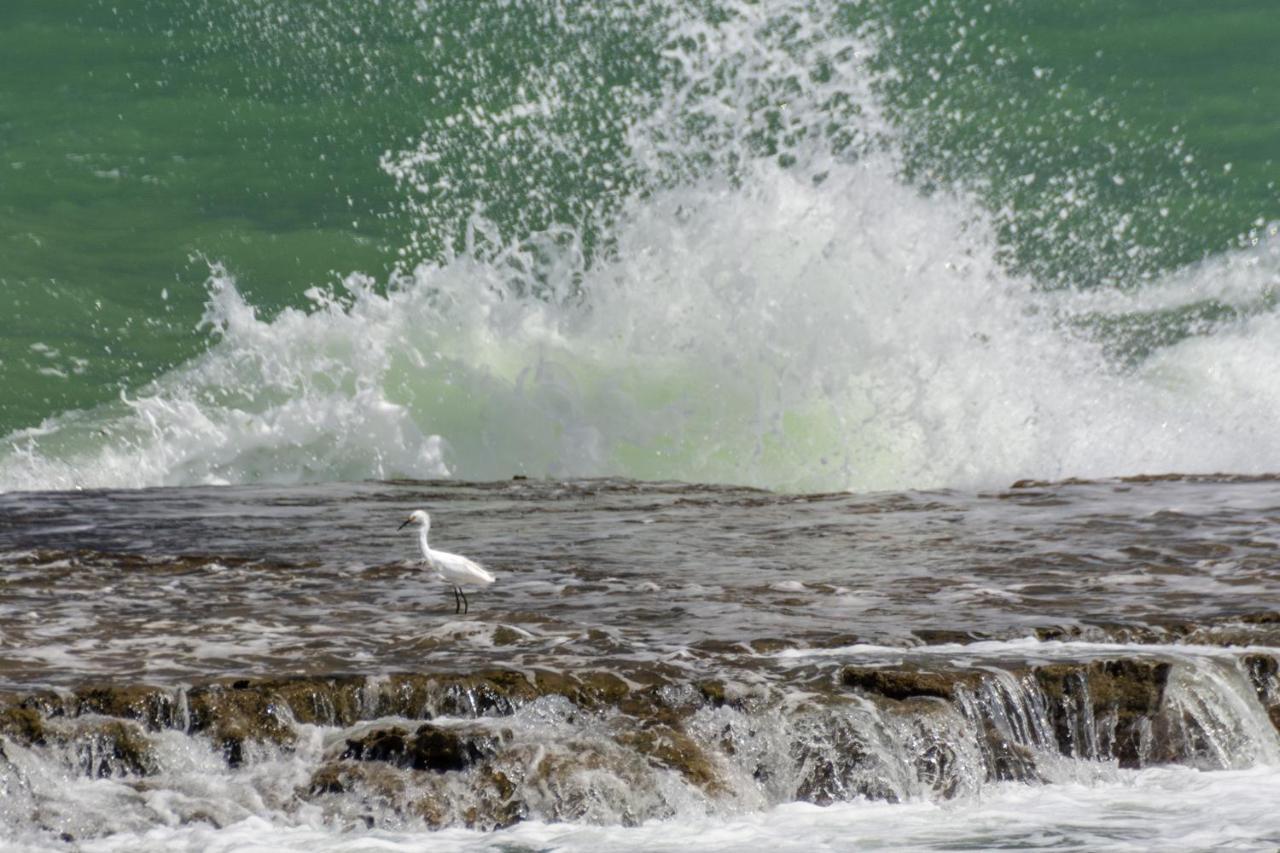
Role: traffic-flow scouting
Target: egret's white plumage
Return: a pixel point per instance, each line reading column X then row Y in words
column 453, row 569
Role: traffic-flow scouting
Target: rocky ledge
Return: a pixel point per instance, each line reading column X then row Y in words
column 490, row 748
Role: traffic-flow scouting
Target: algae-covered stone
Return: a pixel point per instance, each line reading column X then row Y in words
column 713, row 692
column 154, row 707
column 495, row 803
column 329, row 779
column 1127, row 694
column 23, row 725
column 506, row 636
column 235, row 715
column 335, row 701
column 430, row 747
column 668, row 748
column 114, row 748
column 379, row 745
column 907, row 682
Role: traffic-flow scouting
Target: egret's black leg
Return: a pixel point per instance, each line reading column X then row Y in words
column 465, row 604
column 457, row 605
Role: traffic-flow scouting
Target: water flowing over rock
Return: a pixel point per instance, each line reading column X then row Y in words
column 487, row 749
column 652, row 655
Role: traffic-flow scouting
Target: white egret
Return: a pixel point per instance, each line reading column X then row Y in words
column 453, row 569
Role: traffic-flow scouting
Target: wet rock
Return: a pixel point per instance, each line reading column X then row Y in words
column 835, row 763
column 713, row 693
column 443, row 750
column 103, row 746
column 488, row 692
column 1007, row 760
column 381, row 745
column 495, row 803
column 768, row 645
column 329, row 779
column 378, row 786
column 671, row 749
column 430, row 747
column 506, row 636
column 934, row 636
column 1264, row 677
column 23, row 725
column 907, row 682
column 1096, row 710
column 585, row 781
column 1104, row 709
column 113, row 748
column 927, row 728
column 327, row 702
column 234, row 717
column 154, row 707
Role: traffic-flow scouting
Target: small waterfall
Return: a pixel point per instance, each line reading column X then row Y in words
column 491, row 749
column 1214, row 716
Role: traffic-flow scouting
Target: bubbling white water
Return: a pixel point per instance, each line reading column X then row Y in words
column 1164, row 808
column 851, row 334
column 768, row 303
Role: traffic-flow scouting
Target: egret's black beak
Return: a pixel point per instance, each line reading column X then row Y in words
column 406, row 521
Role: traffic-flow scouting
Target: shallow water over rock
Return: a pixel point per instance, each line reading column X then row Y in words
column 649, row 651
column 176, row 584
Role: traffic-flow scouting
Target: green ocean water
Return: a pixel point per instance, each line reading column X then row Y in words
column 1108, row 144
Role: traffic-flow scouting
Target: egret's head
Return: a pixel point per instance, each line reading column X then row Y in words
column 417, row 516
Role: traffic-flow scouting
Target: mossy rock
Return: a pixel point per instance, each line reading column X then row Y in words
column 487, row 692
column 596, row 689
column 496, row 804
column 1131, row 691
column 328, row 702
column 1129, row 686
column 904, row 683
column 506, row 636
column 671, row 749
column 405, row 695
column 23, row 725
column 714, row 693
column 236, row 715
column 114, row 748
column 1264, row 677
column 430, row 747
column 154, row 707
column 328, row 779
column 379, row 745
column 1006, row 760
column 367, row 780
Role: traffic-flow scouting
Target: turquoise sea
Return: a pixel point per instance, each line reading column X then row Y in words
column 792, row 244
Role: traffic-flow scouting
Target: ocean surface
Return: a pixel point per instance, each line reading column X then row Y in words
column 768, row 305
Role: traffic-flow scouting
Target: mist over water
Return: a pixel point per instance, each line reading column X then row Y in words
column 715, row 245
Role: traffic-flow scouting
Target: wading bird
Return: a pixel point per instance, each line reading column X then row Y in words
column 453, row 569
